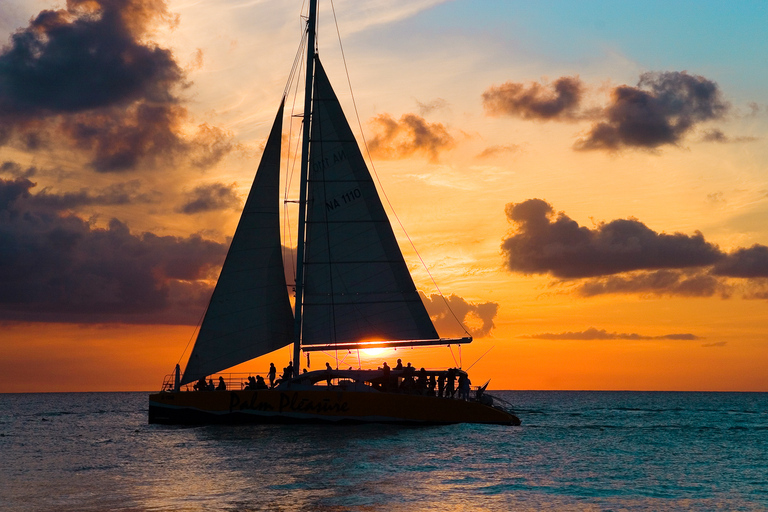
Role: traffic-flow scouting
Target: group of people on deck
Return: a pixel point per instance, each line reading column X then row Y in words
column 414, row 382
column 257, row 382
column 201, row 385
column 419, row 383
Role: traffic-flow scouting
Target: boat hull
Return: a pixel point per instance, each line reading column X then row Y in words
column 317, row 406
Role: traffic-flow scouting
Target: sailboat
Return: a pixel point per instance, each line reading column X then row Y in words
column 353, row 291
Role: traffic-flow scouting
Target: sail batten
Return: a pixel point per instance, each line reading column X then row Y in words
column 249, row 314
column 357, row 285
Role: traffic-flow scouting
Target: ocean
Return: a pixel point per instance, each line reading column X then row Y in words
column 574, row 451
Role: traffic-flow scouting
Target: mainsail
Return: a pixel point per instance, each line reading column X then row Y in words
column 357, row 288
column 250, row 313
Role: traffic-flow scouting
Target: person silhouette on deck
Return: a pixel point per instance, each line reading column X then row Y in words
column 440, row 385
column 201, row 385
column 222, row 385
column 464, row 387
column 272, row 374
column 450, row 388
column 328, row 369
column 399, row 364
column 211, row 386
column 385, row 378
column 288, row 371
column 260, row 384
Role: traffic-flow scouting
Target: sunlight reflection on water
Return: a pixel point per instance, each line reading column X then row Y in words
column 575, row 451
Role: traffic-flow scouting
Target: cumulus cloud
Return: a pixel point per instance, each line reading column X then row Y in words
column 626, row 257
column 549, row 242
column 85, row 76
column 751, row 262
column 447, row 313
column 58, row 267
column 559, row 100
column 661, row 109
column 213, row 196
column 408, row 135
column 602, row 334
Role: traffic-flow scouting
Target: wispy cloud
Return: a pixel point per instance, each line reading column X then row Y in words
column 602, row 334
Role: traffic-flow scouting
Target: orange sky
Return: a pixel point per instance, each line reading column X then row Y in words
column 117, row 195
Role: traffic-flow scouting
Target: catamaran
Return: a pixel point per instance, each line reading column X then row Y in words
column 353, row 291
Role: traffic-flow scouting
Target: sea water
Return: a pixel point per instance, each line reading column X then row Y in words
column 574, row 451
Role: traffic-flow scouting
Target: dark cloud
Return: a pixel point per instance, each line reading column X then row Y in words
column 15, row 170
column 601, row 334
column 660, row 282
column 213, row 196
column 411, row 134
column 115, row 194
column 448, row 313
column 661, row 109
column 559, row 100
column 85, row 76
column 748, row 263
column 546, row 242
column 58, row 267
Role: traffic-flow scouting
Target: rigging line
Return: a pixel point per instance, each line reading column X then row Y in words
column 479, row 358
column 378, row 180
column 291, row 164
column 197, row 329
column 453, row 356
column 293, row 78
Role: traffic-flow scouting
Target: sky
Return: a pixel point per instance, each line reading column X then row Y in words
column 586, row 182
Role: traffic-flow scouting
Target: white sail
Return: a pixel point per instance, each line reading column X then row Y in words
column 357, row 287
column 249, row 314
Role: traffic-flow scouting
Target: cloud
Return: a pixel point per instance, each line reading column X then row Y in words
column 115, row 194
column 447, row 313
column 559, row 100
column 715, row 344
column 87, row 77
column 661, row 109
column 411, row 134
column 57, row 267
column 498, row 150
column 431, row 106
column 15, row 170
column 601, row 334
column 659, row 282
column 626, row 257
column 748, row 263
column 716, row 135
column 545, row 242
column 213, row 196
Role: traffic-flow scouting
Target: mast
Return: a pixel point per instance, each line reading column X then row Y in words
column 311, row 28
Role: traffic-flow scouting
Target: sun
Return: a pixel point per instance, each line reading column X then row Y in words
column 372, row 352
